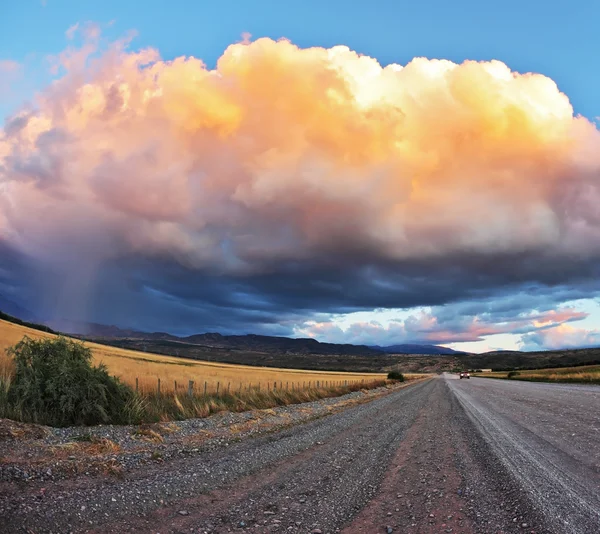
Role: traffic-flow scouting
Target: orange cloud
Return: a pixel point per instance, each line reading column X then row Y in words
column 289, row 153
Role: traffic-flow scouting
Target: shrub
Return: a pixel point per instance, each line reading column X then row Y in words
column 512, row 374
column 55, row 383
column 396, row 375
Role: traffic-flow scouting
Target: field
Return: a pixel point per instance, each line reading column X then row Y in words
column 585, row 374
column 148, row 368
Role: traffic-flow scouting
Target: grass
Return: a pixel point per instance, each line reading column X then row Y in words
column 585, row 374
column 217, row 387
column 171, row 406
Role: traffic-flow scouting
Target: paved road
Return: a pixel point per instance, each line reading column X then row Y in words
column 548, row 438
column 442, row 456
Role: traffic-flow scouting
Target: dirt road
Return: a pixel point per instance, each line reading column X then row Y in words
column 439, row 456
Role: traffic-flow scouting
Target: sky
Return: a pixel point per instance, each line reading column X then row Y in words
column 377, row 173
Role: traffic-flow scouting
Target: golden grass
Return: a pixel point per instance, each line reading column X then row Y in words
column 586, row 374
column 148, row 368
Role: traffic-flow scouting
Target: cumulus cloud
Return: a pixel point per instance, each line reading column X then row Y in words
column 560, row 337
column 303, row 179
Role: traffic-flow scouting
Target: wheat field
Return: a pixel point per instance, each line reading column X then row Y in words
column 147, row 368
column 585, row 374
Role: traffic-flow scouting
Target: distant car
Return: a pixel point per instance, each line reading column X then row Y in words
column 464, row 374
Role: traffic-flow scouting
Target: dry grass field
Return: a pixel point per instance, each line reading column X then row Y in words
column 585, row 374
column 148, row 368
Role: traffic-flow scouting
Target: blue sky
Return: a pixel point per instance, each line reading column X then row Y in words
column 488, row 307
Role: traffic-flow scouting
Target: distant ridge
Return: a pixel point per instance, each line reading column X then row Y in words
column 413, row 348
column 13, row 309
column 253, row 342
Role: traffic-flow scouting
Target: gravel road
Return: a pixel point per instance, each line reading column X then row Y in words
column 548, row 437
column 472, row 456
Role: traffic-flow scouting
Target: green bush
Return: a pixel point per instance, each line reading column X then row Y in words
column 396, row 375
column 56, row 384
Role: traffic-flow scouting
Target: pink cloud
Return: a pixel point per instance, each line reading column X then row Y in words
column 8, row 66
column 560, row 337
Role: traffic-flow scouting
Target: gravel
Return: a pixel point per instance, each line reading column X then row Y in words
column 39, row 457
column 309, row 472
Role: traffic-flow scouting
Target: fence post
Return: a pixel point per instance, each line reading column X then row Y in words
column 218, row 386
column 228, row 385
column 175, row 384
column 136, row 384
column 205, row 388
column 159, row 386
column 190, row 388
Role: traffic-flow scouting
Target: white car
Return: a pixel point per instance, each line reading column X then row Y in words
column 464, row 374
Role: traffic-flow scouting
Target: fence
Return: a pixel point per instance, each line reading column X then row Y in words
column 218, row 388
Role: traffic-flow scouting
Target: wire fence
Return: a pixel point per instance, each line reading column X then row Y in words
column 194, row 388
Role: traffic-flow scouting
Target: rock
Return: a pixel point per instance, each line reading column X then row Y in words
column 183, row 512
column 389, row 530
column 241, row 524
column 317, row 531
column 268, row 512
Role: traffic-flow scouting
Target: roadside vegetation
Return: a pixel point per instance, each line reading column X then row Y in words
column 396, row 376
column 56, row 381
column 585, row 374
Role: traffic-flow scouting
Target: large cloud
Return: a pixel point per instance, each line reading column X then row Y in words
column 532, row 318
column 296, row 181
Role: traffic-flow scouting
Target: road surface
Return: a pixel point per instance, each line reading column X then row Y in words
column 445, row 455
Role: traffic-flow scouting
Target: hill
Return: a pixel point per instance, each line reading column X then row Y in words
column 12, row 309
column 411, row 348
